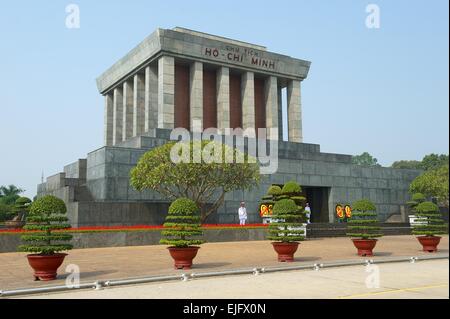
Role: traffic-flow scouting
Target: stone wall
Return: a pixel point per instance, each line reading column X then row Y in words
column 104, row 196
column 9, row 242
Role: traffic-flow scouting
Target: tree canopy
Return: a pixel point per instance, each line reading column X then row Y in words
column 433, row 183
column 204, row 182
column 365, row 159
column 403, row 164
column 429, row 162
column 9, row 194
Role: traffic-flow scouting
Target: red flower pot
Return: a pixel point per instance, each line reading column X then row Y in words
column 45, row 266
column 429, row 243
column 365, row 246
column 183, row 256
column 285, row 251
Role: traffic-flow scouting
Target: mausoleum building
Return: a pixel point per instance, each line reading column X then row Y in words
column 183, row 78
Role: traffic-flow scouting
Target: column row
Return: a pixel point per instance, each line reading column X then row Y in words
column 150, row 100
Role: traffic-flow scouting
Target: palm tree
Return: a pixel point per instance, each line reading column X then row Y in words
column 9, row 194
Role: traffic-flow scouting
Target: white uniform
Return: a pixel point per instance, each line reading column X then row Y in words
column 242, row 215
column 308, row 214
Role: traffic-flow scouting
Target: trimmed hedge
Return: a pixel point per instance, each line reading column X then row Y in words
column 429, row 220
column 288, row 218
column 416, row 199
column 274, row 190
column 46, row 215
column 363, row 223
column 182, row 224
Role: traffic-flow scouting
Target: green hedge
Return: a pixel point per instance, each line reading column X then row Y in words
column 288, row 218
column 182, row 224
column 46, row 215
column 364, row 222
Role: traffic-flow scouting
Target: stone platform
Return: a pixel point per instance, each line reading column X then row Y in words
column 97, row 189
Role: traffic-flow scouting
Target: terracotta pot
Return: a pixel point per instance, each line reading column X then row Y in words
column 285, row 251
column 365, row 246
column 429, row 243
column 45, row 266
column 183, row 256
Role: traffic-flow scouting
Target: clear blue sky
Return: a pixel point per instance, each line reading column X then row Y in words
column 379, row 90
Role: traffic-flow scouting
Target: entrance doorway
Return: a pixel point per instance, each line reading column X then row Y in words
column 317, row 197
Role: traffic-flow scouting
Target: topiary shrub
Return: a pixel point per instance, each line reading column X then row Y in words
column 291, row 188
column 364, row 222
column 21, row 207
column 181, row 224
column 46, row 214
column 429, row 220
column 416, row 199
column 274, row 190
column 287, row 219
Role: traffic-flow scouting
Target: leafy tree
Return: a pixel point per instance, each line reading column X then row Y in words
column 288, row 219
column 434, row 161
column 182, row 223
column 406, row 164
column 5, row 212
column 204, row 182
column 47, row 214
column 433, row 183
column 365, row 159
column 9, row 194
column 429, row 220
column 364, row 222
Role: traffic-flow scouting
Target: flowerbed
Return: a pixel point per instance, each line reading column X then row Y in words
column 136, row 228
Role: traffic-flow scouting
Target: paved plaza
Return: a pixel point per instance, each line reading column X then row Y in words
column 421, row 280
column 127, row 262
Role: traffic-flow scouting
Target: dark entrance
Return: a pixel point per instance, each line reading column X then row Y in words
column 317, row 197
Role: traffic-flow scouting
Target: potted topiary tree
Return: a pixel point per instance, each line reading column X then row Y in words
column 429, row 223
column 46, row 214
column 363, row 225
column 20, row 209
column 284, row 229
column 293, row 190
column 181, row 226
column 416, row 199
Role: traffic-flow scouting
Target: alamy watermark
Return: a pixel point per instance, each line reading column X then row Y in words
column 373, row 17
column 73, row 16
column 73, row 279
column 262, row 149
column 373, row 277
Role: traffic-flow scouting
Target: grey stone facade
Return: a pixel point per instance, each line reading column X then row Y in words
column 140, row 91
column 98, row 192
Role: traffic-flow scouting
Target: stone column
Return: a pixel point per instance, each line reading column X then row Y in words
column 151, row 98
column 223, row 98
column 196, row 94
column 138, row 104
column 280, row 113
column 248, row 101
column 117, row 115
column 109, row 119
column 127, row 130
column 294, row 112
column 166, row 92
column 271, row 104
